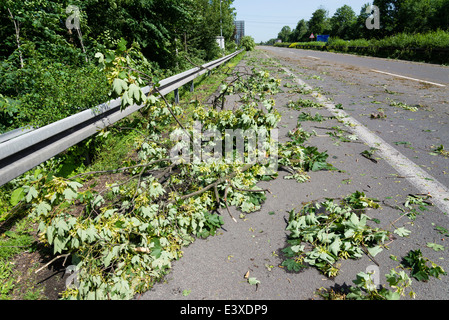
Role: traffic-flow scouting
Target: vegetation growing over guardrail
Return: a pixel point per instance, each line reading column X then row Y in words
column 47, row 64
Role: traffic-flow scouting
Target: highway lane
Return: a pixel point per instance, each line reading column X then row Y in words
column 363, row 93
column 214, row 268
column 422, row 71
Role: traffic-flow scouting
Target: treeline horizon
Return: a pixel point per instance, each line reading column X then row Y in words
column 396, row 16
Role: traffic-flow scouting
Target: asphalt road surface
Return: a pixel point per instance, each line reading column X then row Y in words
column 419, row 71
column 406, row 163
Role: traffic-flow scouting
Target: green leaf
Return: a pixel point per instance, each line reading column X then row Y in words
column 74, row 185
column 17, row 196
column 43, row 208
column 292, row 265
column 186, row 292
column 100, row 57
column 119, row 86
column 11, row 234
column 253, row 281
column 335, row 246
column 50, row 234
column 108, row 259
column 436, row 271
column 69, row 194
column 127, row 100
column 156, row 251
column 32, row 193
column 62, row 227
column 421, row 275
column 374, row 250
column 298, row 248
column 435, row 246
column 134, row 92
column 390, row 295
column 109, row 57
column 121, row 46
column 402, row 232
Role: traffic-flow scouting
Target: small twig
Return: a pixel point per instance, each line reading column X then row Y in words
column 57, row 258
column 226, row 192
column 369, row 255
column 80, row 36
column 173, row 114
column 17, row 27
column 229, row 211
column 118, row 170
column 145, row 76
column 200, row 67
column 216, row 183
column 217, row 196
column 251, row 190
column 226, row 202
column 288, row 169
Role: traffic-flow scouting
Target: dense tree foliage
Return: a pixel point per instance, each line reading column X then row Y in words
column 319, row 22
column 285, row 33
column 396, row 16
column 47, row 63
column 343, row 21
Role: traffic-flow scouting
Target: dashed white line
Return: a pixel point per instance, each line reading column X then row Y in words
column 408, row 78
column 423, row 181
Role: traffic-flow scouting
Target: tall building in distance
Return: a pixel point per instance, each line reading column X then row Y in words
column 240, row 26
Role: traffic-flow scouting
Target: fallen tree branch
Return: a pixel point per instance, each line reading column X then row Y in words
column 216, row 183
column 53, row 260
column 119, row 170
column 252, row 190
column 173, row 115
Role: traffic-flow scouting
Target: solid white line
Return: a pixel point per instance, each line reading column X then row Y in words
column 423, row 181
column 414, row 79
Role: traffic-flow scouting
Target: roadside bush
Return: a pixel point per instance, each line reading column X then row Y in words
column 282, row 44
column 248, row 43
column 317, row 44
column 45, row 91
column 428, row 47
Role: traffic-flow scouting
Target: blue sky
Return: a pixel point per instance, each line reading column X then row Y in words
column 265, row 18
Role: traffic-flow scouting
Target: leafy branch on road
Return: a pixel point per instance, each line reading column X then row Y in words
column 323, row 233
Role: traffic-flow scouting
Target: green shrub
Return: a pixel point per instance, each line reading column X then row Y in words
column 317, row 44
column 282, row 44
column 248, row 43
column 45, row 91
column 425, row 47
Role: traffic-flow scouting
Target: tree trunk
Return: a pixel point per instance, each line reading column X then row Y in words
column 17, row 27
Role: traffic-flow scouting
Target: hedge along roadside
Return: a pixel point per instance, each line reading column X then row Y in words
column 432, row 47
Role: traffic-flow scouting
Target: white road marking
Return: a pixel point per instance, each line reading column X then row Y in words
column 313, row 57
column 404, row 77
column 423, row 181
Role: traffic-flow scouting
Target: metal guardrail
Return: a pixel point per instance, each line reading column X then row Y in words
column 14, row 134
column 26, row 151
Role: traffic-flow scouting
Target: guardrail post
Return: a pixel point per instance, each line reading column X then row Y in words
column 176, row 96
column 192, row 86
